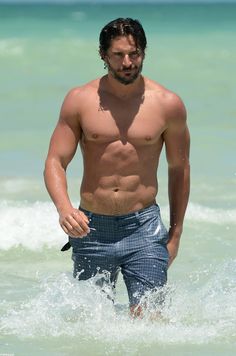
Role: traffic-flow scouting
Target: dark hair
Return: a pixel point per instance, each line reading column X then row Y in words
column 122, row 27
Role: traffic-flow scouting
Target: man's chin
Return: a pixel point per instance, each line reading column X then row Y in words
column 126, row 80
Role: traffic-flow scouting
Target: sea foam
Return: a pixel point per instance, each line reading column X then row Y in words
column 191, row 314
column 31, row 225
column 35, row 225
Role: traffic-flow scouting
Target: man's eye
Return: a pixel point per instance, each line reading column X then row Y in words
column 134, row 54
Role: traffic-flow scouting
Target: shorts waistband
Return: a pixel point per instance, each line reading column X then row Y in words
column 142, row 211
column 115, row 218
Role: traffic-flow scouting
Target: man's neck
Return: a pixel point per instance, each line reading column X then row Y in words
column 124, row 91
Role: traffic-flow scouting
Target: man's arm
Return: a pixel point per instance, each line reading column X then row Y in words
column 63, row 145
column 177, row 142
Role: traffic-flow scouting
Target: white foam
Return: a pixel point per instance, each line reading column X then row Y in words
column 31, row 225
column 200, row 213
column 66, row 307
column 35, row 225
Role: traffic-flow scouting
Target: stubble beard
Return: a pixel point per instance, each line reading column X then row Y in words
column 125, row 80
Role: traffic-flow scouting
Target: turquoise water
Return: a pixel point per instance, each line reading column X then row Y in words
column 44, row 51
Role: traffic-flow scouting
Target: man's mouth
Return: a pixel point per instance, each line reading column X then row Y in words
column 127, row 71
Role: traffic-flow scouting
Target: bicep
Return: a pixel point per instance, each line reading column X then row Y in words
column 177, row 141
column 63, row 144
column 65, row 138
column 177, row 148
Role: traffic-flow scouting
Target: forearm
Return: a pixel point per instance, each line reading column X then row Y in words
column 179, row 185
column 56, row 184
column 73, row 222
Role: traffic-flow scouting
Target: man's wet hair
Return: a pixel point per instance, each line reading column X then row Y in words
column 122, row 27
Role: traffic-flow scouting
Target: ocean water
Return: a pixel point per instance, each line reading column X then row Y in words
column 44, row 51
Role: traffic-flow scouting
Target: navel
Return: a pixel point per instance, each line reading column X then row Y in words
column 94, row 135
column 148, row 138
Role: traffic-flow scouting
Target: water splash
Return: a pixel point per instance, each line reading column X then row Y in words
column 195, row 312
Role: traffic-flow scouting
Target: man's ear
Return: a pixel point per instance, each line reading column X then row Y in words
column 102, row 55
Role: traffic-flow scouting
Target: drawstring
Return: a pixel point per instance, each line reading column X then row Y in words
column 66, row 247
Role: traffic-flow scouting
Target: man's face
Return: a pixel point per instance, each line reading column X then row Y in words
column 124, row 60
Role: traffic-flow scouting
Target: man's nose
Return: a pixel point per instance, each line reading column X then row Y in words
column 126, row 61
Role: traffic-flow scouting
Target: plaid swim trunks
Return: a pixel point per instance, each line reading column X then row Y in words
column 134, row 244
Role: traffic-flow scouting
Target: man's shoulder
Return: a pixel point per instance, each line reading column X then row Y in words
column 78, row 98
column 170, row 103
column 163, row 94
column 85, row 89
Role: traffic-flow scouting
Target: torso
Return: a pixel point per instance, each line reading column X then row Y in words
column 121, row 143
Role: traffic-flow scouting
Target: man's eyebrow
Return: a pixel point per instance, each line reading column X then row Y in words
column 132, row 51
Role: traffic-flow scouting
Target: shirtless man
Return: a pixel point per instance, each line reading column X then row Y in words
column 121, row 122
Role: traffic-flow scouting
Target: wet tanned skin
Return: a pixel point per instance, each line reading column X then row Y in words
column 121, row 151
column 121, row 122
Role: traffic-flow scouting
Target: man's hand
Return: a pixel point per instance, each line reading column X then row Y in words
column 74, row 222
column 172, row 247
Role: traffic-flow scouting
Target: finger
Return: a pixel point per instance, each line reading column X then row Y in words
column 64, row 229
column 84, row 226
column 70, row 231
column 84, row 217
column 79, row 221
column 81, row 215
column 80, row 226
column 77, row 231
column 170, row 261
column 76, row 234
column 67, row 226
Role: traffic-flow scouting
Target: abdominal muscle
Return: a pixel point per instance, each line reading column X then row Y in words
column 117, row 200
column 118, row 180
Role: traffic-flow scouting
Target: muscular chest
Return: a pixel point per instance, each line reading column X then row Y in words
column 133, row 122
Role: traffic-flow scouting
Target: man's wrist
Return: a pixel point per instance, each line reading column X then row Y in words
column 63, row 207
column 175, row 231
